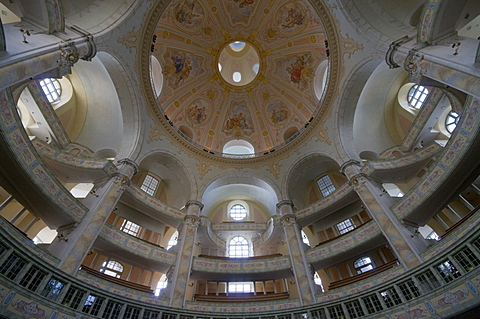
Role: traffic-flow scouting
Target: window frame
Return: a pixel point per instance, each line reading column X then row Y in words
column 112, row 271
column 240, row 249
column 325, row 185
column 360, row 269
column 130, row 228
column 48, row 91
column 343, row 228
column 147, row 184
column 416, row 96
column 451, row 120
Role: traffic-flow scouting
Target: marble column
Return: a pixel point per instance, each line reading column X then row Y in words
column 400, row 239
column 75, row 241
column 187, row 236
column 302, row 270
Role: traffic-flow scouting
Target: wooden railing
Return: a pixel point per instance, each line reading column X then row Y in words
column 242, row 297
column 117, row 281
column 370, row 273
column 461, row 221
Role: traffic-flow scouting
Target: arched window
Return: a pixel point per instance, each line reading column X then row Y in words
column 238, row 247
column 162, row 284
column 130, row 228
column 149, row 185
column 305, row 238
column 345, row 226
column 416, row 96
column 173, row 240
column 238, row 212
column 317, row 280
column 326, row 186
column 112, row 268
column 363, row 264
column 52, row 89
column 451, row 121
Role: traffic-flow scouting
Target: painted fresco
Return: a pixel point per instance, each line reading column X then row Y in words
column 189, row 14
column 238, row 120
column 197, row 111
column 181, row 67
column 296, row 69
column 241, row 11
column 291, row 18
column 278, row 112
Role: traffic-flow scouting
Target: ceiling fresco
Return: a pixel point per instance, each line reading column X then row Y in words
column 286, row 45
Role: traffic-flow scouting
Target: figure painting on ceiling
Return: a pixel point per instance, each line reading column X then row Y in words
column 291, row 18
column 298, row 70
column 238, row 120
column 278, row 112
column 241, row 11
column 197, row 111
column 189, row 14
column 180, row 66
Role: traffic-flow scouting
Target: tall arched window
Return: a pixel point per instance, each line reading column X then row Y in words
column 112, row 268
column 173, row 240
column 238, row 247
column 363, row 264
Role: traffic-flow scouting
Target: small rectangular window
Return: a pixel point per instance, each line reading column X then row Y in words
column 52, row 289
column 448, row 271
column 391, row 297
column 318, row 314
column 336, row 312
column 73, row 297
column 326, row 186
column 130, row 228
column 131, row 313
column 32, row 278
column 467, row 259
column 112, row 310
column 12, row 266
column 92, row 305
column 409, row 290
column 149, row 185
column 428, row 281
column 345, row 226
column 372, row 303
column 355, row 309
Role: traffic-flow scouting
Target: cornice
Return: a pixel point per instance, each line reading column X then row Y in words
column 311, row 128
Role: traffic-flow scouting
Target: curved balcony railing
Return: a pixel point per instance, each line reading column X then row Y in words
column 136, row 247
column 68, row 208
column 343, row 244
column 463, row 141
column 342, row 196
column 80, row 162
column 159, row 210
column 429, row 290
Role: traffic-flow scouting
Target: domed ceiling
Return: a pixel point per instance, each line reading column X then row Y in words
column 238, row 70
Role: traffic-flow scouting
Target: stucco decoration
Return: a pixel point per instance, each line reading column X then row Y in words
column 270, row 95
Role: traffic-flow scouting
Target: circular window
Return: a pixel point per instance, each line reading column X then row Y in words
column 238, row 63
column 451, row 121
column 238, row 212
column 416, row 96
column 52, row 89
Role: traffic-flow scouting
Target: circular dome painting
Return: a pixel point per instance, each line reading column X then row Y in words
column 239, row 69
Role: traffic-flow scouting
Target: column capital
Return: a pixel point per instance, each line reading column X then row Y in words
column 285, row 207
column 127, row 161
column 194, row 202
column 192, row 220
column 389, row 57
column 288, row 220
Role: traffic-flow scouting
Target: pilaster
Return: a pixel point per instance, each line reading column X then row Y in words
column 302, row 270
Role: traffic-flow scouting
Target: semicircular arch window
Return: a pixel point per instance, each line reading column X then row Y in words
column 451, row 121
column 238, row 212
column 238, row 247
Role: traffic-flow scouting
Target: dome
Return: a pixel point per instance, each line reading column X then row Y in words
column 251, row 76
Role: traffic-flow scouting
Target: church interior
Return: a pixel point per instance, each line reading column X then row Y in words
column 248, row 159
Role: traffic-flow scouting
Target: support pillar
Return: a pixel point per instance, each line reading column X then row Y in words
column 399, row 238
column 186, row 240
column 75, row 241
column 302, row 270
